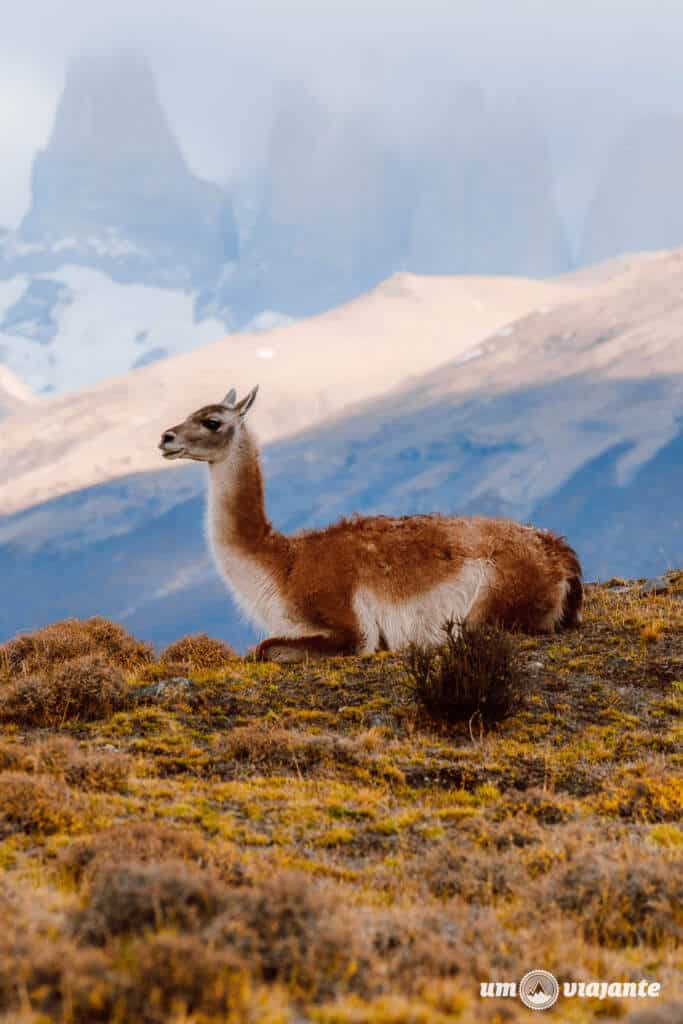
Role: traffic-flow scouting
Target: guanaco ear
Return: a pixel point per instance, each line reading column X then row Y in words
column 230, row 399
column 247, row 402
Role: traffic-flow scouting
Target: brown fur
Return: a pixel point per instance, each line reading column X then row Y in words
column 534, row 578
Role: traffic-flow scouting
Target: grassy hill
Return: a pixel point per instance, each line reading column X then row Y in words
column 199, row 839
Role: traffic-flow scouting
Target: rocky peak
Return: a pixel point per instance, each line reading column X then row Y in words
column 112, row 190
column 637, row 204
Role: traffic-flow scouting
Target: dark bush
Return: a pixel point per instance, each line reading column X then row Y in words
column 475, row 672
column 449, row 871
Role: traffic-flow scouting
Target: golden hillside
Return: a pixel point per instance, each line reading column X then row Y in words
column 201, row 839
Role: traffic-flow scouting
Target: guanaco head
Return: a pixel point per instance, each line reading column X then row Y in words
column 208, row 434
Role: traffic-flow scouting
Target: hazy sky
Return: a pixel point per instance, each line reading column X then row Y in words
column 584, row 67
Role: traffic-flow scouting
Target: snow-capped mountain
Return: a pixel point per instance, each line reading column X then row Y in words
column 109, row 267
column 112, row 190
column 75, row 326
column 569, row 417
column 308, row 370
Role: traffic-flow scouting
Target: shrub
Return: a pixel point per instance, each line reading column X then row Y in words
column 286, row 749
column 198, row 652
column 57, row 980
column 474, row 672
column 449, row 871
column 84, row 689
column 46, row 649
column 98, row 769
column 625, row 903
column 145, row 842
column 177, row 978
column 32, row 804
column 132, row 897
column 291, row 931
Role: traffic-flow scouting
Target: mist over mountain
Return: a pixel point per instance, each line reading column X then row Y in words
column 126, row 257
column 334, row 214
column 637, row 203
column 112, row 190
column 484, row 199
column 104, row 272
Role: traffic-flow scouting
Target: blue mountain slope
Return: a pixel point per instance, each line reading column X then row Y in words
column 135, row 549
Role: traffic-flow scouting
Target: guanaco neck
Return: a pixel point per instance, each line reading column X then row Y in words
column 237, row 516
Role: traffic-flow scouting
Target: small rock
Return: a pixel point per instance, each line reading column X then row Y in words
column 160, row 689
column 535, row 666
column 656, row 585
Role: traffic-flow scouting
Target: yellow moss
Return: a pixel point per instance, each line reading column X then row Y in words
column 487, row 793
column 336, row 837
column 669, row 836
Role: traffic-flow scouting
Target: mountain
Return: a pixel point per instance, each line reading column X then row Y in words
column 341, row 208
column 569, row 417
column 332, row 218
column 636, row 205
column 112, row 189
column 125, row 257
column 484, row 196
column 75, row 326
column 308, row 370
column 107, row 268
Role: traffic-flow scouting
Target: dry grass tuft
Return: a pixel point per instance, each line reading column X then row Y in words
column 198, row 652
column 81, row 690
column 623, row 904
column 291, row 931
column 652, row 632
column 133, row 897
column 62, row 757
column 46, row 649
column 36, row 805
column 178, row 979
column 143, row 842
column 449, row 871
column 475, row 672
column 284, row 843
column 274, row 748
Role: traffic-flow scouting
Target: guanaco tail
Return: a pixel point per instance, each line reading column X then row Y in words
column 367, row 583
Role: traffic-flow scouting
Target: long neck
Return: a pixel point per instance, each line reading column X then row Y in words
column 237, row 514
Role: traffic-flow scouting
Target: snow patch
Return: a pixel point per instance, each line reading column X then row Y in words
column 104, row 329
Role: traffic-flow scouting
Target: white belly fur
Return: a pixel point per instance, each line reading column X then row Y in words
column 421, row 618
column 254, row 592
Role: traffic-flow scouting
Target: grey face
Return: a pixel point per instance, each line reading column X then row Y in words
column 205, row 436
column 208, row 434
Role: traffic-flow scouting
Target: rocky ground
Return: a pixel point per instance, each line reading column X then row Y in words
column 197, row 838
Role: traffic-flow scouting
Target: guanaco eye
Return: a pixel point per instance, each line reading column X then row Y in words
column 212, row 424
